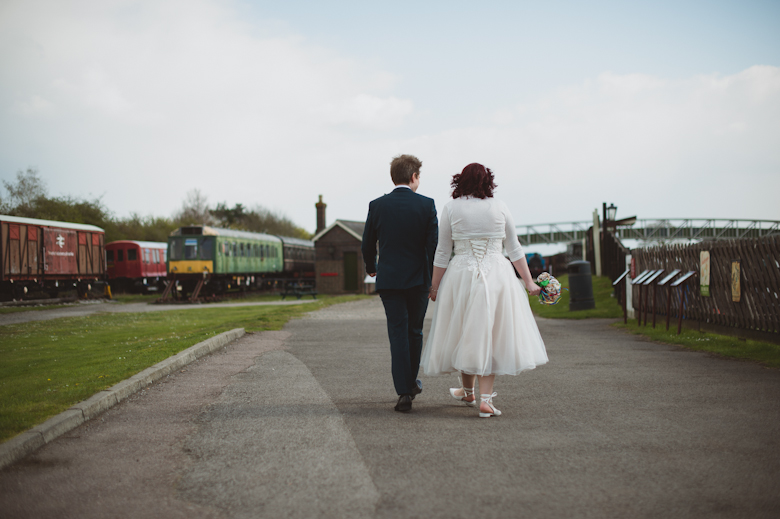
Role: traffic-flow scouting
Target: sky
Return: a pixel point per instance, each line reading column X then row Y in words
column 666, row 109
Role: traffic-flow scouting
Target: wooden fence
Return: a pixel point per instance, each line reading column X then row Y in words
column 754, row 306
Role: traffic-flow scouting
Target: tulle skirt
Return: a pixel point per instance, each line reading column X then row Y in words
column 482, row 321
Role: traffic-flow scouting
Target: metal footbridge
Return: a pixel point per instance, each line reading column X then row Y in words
column 661, row 230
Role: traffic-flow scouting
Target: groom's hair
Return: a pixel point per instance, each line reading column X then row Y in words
column 403, row 168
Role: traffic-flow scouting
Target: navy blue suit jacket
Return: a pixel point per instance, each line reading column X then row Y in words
column 405, row 225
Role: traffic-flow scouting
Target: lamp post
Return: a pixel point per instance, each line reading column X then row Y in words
column 611, row 212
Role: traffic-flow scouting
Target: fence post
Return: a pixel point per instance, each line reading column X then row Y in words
column 629, row 291
column 596, row 242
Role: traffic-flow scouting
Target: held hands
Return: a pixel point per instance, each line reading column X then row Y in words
column 432, row 293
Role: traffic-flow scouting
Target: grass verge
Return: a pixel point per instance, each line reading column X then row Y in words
column 15, row 309
column 766, row 353
column 253, row 298
column 606, row 306
column 47, row 366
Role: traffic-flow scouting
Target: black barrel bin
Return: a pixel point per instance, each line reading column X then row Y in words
column 580, row 286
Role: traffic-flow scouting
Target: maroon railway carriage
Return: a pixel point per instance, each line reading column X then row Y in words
column 48, row 255
column 136, row 266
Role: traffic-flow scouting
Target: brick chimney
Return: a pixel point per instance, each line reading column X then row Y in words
column 320, row 215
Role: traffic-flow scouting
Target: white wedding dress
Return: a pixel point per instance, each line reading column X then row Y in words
column 482, row 321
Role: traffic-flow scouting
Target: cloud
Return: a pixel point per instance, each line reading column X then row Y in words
column 704, row 146
column 142, row 101
column 367, row 111
column 176, row 94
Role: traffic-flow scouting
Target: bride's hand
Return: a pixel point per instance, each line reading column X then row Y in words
column 535, row 290
column 432, row 294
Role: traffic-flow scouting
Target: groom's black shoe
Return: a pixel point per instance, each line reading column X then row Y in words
column 417, row 389
column 404, row 404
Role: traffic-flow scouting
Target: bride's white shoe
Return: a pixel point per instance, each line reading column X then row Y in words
column 488, row 399
column 467, row 392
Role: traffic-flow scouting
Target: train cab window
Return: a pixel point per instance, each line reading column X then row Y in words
column 177, row 249
column 132, row 254
column 110, row 256
column 207, row 249
column 120, row 255
column 191, row 249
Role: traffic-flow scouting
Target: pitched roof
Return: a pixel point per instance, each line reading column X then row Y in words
column 353, row 228
column 50, row 223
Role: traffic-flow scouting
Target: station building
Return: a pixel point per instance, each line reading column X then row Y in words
column 340, row 268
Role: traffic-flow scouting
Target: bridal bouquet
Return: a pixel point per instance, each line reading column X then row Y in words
column 551, row 289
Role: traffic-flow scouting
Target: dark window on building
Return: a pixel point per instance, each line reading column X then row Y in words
column 132, row 254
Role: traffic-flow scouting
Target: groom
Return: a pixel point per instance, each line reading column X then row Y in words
column 405, row 225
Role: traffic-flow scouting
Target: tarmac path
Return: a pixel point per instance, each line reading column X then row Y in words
column 82, row 309
column 299, row 423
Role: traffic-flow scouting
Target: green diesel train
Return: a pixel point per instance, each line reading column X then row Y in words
column 221, row 259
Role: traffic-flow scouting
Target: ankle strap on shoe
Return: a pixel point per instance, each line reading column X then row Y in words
column 487, row 398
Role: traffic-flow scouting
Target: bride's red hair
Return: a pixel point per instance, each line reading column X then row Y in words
column 475, row 180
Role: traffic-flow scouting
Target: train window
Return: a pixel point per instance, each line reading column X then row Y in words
column 177, row 249
column 120, row 255
column 164, row 254
column 155, row 256
column 147, row 255
column 191, row 249
column 110, row 255
column 207, row 249
column 132, row 255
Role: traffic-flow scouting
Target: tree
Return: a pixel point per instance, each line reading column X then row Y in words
column 230, row 218
column 22, row 194
column 194, row 210
column 261, row 219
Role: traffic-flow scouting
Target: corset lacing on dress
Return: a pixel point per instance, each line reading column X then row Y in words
column 474, row 252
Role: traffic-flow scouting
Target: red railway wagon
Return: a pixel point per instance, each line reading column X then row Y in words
column 48, row 255
column 136, row 266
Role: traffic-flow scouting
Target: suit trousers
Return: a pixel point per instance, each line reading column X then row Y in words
column 405, row 310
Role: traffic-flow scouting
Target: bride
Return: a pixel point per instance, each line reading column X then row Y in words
column 482, row 323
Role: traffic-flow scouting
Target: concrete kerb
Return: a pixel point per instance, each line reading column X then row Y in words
column 29, row 441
